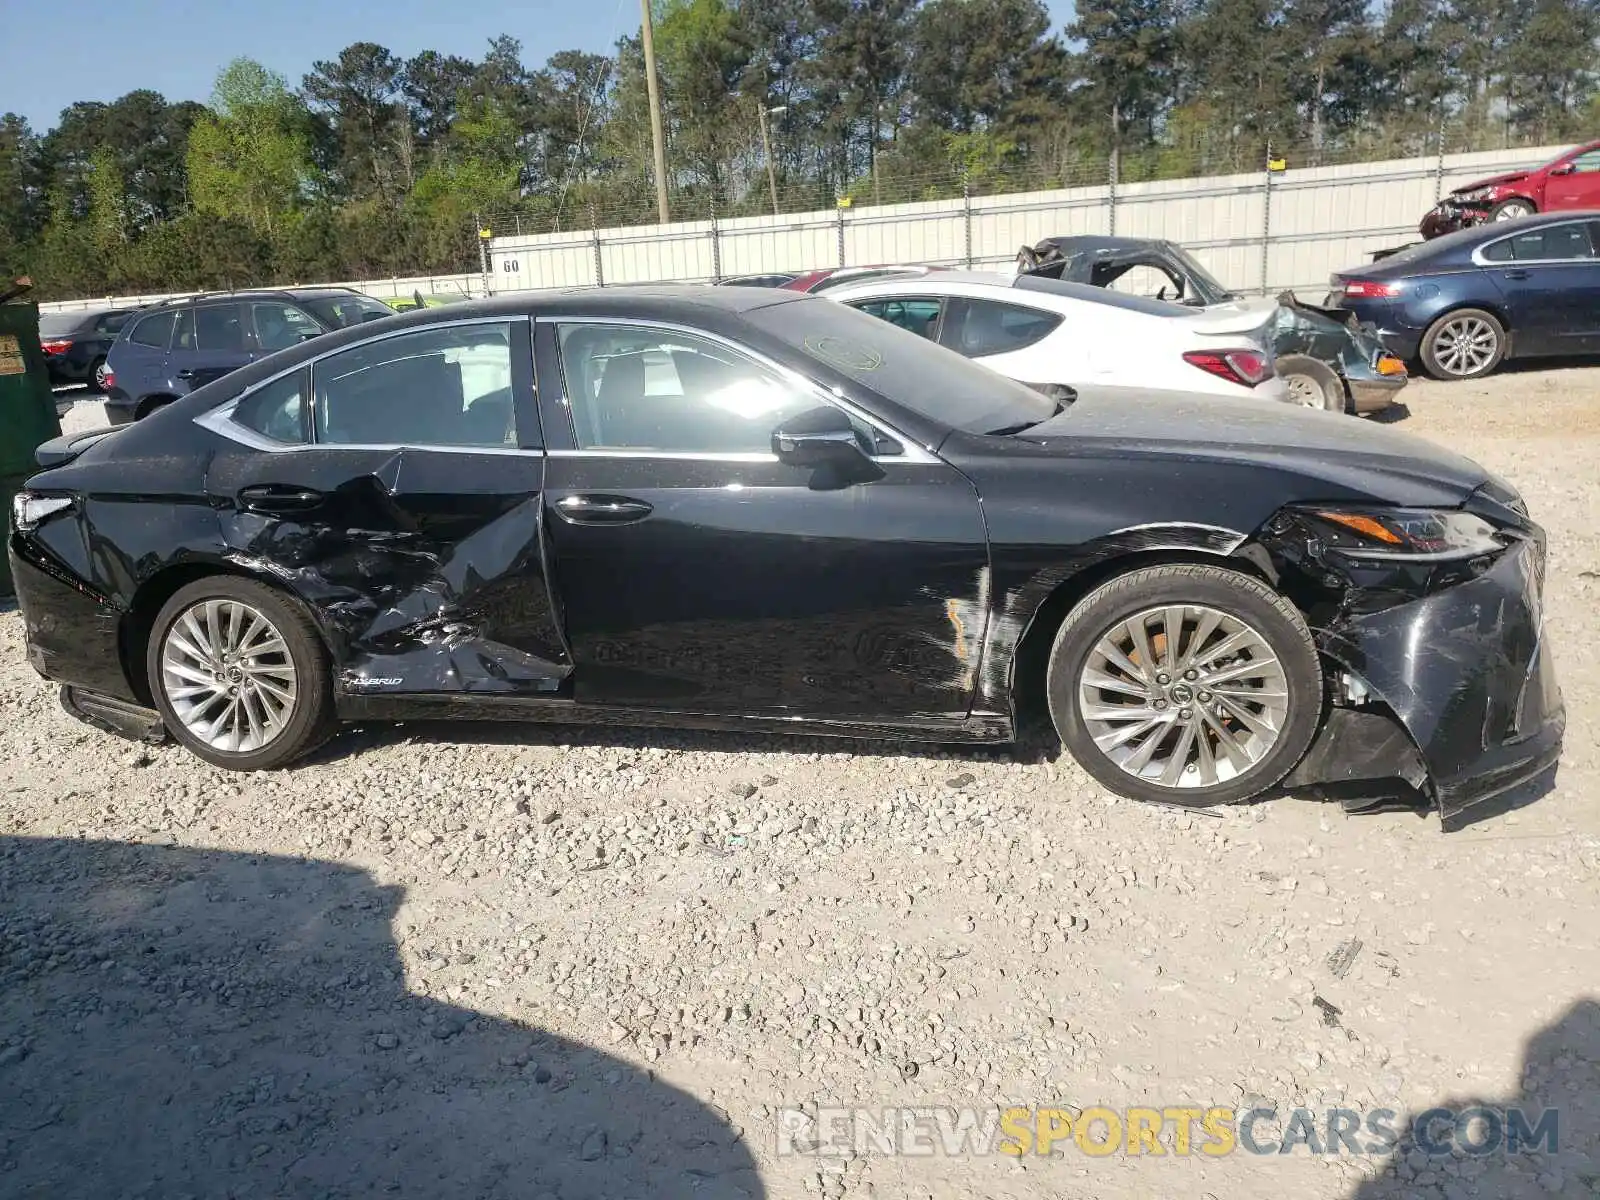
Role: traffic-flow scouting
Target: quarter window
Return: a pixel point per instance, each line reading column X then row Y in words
column 155, row 331
column 920, row 315
column 992, row 327
column 442, row 386
column 277, row 410
column 638, row 388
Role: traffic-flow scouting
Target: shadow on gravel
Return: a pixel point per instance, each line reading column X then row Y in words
column 186, row 1023
column 1391, row 415
column 353, row 740
column 1560, row 1072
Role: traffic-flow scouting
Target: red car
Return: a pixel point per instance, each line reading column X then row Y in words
column 1571, row 181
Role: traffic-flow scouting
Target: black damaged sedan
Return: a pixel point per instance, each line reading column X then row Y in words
column 744, row 509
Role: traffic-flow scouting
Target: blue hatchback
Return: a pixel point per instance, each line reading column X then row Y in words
column 169, row 349
column 1465, row 302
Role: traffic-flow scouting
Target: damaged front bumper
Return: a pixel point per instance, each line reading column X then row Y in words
column 1466, row 672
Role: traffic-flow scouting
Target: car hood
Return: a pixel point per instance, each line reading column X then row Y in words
column 1492, row 181
column 1344, row 452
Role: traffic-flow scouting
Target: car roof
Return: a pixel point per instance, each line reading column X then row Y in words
column 1424, row 254
column 1077, row 243
column 997, row 287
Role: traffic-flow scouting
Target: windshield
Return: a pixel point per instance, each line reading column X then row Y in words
column 340, row 312
column 53, row 325
column 1202, row 280
column 904, row 367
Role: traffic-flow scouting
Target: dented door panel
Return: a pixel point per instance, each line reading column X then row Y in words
column 424, row 566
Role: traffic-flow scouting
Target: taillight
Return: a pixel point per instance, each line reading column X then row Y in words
column 56, row 347
column 1369, row 289
column 1247, row 367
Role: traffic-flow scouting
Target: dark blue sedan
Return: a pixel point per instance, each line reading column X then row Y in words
column 1465, row 302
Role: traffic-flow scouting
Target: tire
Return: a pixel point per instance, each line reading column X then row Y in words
column 1510, row 210
column 150, row 405
column 1273, row 654
column 244, row 738
column 96, row 377
column 1465, row 344
column 1312, row 383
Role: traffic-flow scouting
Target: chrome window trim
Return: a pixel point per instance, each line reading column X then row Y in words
column 219, row 420
column 911, row 452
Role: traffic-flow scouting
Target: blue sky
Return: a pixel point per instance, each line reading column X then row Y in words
column 48, row 59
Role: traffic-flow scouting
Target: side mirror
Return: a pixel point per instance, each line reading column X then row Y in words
column 818, row 437
column 1564, row 169
column 1059, row 392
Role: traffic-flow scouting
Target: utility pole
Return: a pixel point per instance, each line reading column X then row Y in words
column 766, row 149
column 663, row 212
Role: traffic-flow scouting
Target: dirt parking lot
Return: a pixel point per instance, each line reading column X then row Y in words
column 497, row 961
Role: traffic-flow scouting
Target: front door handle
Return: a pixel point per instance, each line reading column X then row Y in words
column 186, row 374
column 279, row 498
column 1516, row 273
column 595, row 509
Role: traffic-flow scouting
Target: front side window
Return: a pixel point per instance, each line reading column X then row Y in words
column 277, row 410
column 919, row 314
column 441, row 386
column 1586, row 162
column 153, row 331
column 278, row 326
column 991, row 327
column 641, row 388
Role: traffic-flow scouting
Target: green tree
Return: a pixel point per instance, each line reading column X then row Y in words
column 360, row 94
column 249, row 160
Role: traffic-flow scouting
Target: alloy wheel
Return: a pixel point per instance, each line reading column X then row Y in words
column 1466, row 346
column 1510, row 212
column 1305, row 390
column 1184, row 696
column 100, row 373
column 228, row 675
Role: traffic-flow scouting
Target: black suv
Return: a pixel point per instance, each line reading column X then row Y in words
column 175, row 346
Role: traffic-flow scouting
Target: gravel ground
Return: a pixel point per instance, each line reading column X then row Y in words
column 525, row 962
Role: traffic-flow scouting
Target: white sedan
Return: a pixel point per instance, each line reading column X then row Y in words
column 1045, row 332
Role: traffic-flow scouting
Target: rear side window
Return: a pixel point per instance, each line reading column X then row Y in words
column 154, row 331
column 1554, row 242
column 111, row 322
column 918, row 314
column 218, row 327
column 277, row 410
column 991, row 327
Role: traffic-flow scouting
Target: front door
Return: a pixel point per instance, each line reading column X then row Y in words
column 1578, row 187
column 697, row 573
column 397, row 485
column 1550, row 278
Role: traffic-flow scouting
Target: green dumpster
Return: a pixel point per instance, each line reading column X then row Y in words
column 27, row 407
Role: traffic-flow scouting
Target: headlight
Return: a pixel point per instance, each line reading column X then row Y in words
column 27, row 509
column 1409, row 534
column 1474, row 194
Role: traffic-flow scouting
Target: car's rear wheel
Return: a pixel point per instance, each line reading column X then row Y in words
column 1185, row 684
column 239, row 674
column 1465, row 344
column 97, row 376
column 1510, row 210
column 1312, row 383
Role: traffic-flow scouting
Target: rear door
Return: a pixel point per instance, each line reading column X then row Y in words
column 1550, row 278
column 397, row 486
column 209, row 342
column 140, row 359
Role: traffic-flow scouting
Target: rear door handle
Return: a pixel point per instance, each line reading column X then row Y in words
column 1516, row 274
column 279, row 498
column 596, row 509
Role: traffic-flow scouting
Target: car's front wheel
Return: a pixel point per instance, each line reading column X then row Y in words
column 1510, row 210
column 239, row 674
column 1185, row 684
column 1465, row 344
